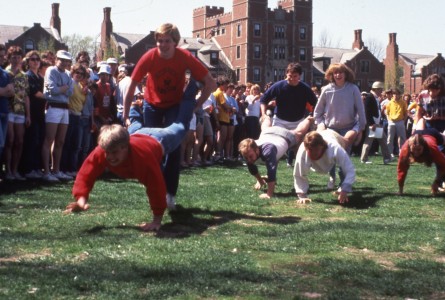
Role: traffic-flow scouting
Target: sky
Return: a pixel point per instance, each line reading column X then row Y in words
column 419, row 25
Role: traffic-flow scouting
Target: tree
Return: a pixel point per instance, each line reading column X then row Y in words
column 77, row 43
column 325, row 41
column 375, row 47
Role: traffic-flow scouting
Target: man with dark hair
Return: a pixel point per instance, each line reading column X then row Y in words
column 291, row 97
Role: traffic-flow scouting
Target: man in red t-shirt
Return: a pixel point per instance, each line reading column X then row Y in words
column 166, row 66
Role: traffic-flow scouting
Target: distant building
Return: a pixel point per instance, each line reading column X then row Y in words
column 130, row 47
column 35, row 37
column 409, row 71
column 366, row 66
column 260, row 42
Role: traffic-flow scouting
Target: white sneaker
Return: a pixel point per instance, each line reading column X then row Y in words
column 367, row 162
column 50, row 178
column 33, row 175
column 171, row 204
column 331, row 183
column 62, row 176
column 19, row 177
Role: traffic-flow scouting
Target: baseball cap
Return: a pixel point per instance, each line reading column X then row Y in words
column 104, row 69
column 63, row 54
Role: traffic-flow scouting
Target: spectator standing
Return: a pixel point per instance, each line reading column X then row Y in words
column 35, row 133
column 253, row 112
column 19, row 114
column 396, row 112
column 58, row 88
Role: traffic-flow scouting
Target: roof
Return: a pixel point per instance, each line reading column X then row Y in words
column 11, row 32
column 202, row 47
column 337, row 55
column 126, row 40
column 417, row 61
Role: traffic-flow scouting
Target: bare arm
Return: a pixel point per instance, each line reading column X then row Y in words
column 208, row 88
column 128, row 98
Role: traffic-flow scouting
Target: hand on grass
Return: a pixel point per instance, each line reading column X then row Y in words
column 342, row 197
column 264, row 196
column 77, row 206
column 303, row 200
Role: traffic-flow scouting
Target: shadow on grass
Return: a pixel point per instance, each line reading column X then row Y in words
column 186, row 222
column 360, row 198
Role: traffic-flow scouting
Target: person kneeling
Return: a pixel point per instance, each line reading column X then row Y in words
column 319, row 152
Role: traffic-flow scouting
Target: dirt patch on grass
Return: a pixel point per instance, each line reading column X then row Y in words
column 26, row 256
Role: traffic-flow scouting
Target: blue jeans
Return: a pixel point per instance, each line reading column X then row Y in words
column 3, row 130
column 175, row 121
column 341, row 174
column 85, row 139
column 71, row 147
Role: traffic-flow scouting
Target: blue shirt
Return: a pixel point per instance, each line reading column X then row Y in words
column 4, row 81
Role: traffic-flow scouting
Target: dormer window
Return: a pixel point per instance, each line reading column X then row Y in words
column 214, row 57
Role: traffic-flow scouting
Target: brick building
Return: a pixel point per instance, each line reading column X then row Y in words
column 408, row 71
column 35, row 37
column 366, row 66
column 260, row 42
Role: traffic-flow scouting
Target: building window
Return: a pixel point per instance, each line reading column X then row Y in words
column 256, row 74
column 238, row 72
column 238, row 52
column 278, row 74
column 214, row 58
column 257, row 51
column 358, row 83
column 279, row 32
column 302, row 54
column 275, row 52
column 364, row 66
column 194, row 53
column 282, row 52
column 302, row 33
column 257, row 29
column 29, row 45
column 223, row 30
column 238, row 30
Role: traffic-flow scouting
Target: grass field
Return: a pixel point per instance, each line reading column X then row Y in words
column 226, row 243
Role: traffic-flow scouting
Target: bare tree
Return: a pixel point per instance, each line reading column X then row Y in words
column 77, row 43
column 375, row 47
column 325, row 40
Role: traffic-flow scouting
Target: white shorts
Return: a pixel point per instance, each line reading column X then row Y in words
column 16, row 119
column 57, row 115
column 193, row 123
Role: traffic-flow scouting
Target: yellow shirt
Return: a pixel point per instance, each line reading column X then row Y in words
column 223, row 115
column 77, row 100
column 396, row 110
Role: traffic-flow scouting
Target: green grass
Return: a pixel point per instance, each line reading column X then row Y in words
column 225, row 242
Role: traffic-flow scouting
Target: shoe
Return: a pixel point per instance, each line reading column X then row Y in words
column 19, row 177
column 50, row 178
column 331, row 183
column 34, row 175
column 366, row 162
column 289, row 165
column 62, row 176
column 72, row 174
column 171, row 204
column 9, row 176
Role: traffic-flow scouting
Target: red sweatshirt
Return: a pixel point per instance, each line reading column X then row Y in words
column 438, row 159
column 143, row 163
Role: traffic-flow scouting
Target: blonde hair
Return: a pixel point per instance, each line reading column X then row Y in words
column 111, row 136
column 255, row 87
column 169, row 29
column 245, row 145
column 349, row 74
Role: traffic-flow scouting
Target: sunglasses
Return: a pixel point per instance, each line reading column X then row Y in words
column 34, row 59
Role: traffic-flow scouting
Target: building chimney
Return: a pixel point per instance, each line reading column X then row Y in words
column 105, row 34
column 55, row 19
column 392, row 50
column 358, row 42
